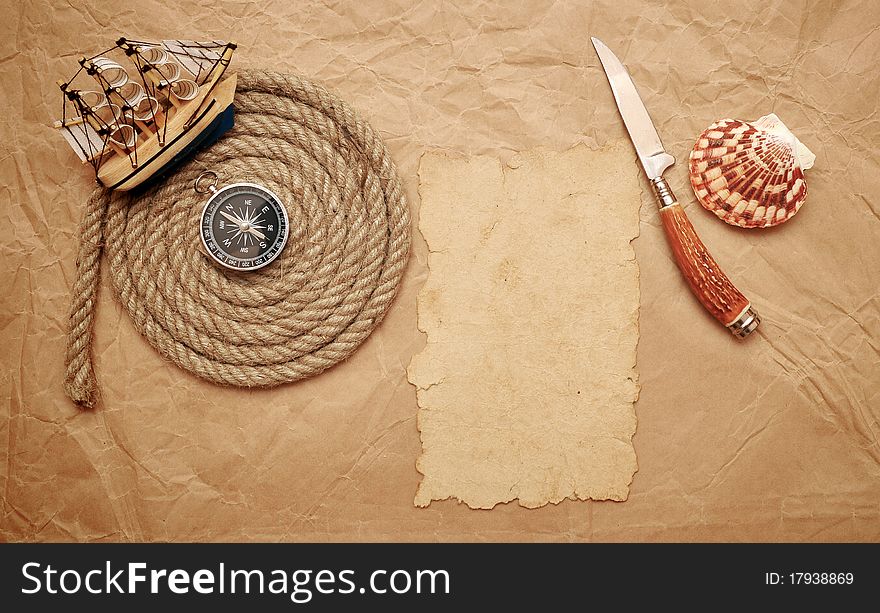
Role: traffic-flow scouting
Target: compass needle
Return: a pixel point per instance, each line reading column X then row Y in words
column 257, row 233
column 231, row 218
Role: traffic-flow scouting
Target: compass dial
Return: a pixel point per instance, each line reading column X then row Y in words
column 244, row 226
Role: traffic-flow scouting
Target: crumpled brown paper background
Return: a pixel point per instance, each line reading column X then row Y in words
column 772, row 439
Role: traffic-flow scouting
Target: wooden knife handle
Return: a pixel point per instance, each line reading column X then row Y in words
column 708, row 283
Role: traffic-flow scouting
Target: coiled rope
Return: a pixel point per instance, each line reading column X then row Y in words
column 311, row 308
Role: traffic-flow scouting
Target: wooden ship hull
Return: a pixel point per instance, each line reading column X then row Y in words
column 207, row 121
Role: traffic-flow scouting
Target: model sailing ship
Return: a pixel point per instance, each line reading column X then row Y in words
column 153, row 104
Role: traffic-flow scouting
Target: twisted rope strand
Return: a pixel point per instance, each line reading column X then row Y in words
column 347, row 248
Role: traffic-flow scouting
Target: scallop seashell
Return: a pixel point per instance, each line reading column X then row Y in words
column 750, row 173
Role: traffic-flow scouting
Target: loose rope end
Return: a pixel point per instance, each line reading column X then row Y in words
column 84, row 395
column 79, row 383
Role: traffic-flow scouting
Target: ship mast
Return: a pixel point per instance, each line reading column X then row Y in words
column 113, row 116
column 83, row 138
column 147, row 60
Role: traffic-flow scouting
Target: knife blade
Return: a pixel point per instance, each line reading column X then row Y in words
column 705, row 278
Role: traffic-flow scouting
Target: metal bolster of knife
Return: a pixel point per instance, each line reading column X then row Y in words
column 664, row 194
column 746, row 323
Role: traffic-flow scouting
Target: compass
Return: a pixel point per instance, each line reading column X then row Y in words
column 243, row 225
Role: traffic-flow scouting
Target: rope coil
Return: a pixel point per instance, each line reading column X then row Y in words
column 347, row 248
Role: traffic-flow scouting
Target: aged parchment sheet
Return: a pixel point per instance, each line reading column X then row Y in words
column 527, row 384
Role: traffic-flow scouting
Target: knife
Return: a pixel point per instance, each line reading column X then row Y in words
column 705, row 278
